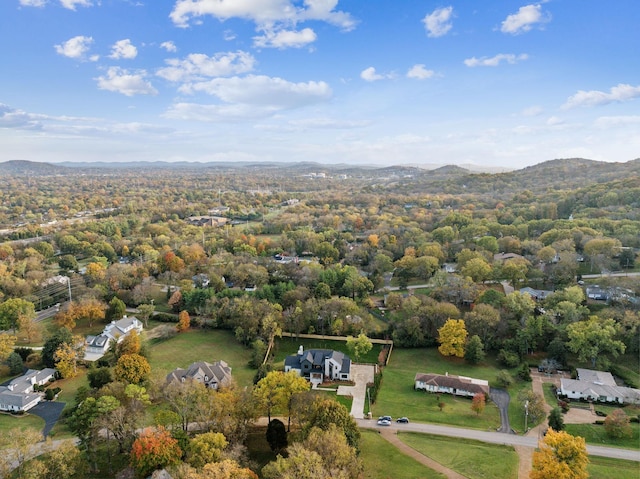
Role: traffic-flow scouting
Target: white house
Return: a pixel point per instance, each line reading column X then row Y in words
column 598, row 386
column 212, row 375
column 114, row 331
column 451, row 384
column 318, row 364
column 18, row 395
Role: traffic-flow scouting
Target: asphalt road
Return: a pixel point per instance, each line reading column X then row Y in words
column 496, row 438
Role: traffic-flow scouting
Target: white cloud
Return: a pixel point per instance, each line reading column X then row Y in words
column 259, row 91
column 285, row 38
column 532, row 111
column 216, row 113
column 71, row 4
column 75, row 47
column 13, row 118
column 370, row 74
column 496, row 60
column 123, row 49
column 621, row 92
column 129, row 84
column 329, row 123
column 524, row 20
column 169, row 46
column 262, row 12
column 438, row 22
column 617, row 121
column 33, row 3
column 554, row 120
column 419, row 72
column 198, row 66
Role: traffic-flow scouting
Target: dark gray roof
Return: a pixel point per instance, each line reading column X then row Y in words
column 220, row 371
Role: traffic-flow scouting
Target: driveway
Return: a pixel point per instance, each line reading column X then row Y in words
column 502, row 398
column 49, row 411
column 361, row 374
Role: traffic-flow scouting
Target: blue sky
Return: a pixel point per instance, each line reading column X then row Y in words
column 487, row 83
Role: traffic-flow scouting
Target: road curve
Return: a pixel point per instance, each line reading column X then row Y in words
column 495, row 438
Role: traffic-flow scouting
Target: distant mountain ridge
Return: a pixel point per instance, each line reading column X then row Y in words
column 558, row 173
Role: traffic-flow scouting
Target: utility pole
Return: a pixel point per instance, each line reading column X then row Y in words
column 526, row 415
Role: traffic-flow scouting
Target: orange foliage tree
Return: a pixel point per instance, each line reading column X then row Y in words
column 184, row 321
column 154, row 449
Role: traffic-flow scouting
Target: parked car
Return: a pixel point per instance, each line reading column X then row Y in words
column 385, row 418
column 384, row 422
column 403, row 420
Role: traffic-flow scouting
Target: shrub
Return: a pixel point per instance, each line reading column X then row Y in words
column 165, row 318
column 617, row 425
column 24, row 352
column 504, row 379
column 49, row 394
column 524, row 372
column 508, row 358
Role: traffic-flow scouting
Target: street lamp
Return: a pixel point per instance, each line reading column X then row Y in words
column 526, row 415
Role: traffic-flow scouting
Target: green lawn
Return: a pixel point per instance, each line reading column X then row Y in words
column 606, row 468
column 397, row 396
column 516, row 409
column 472, row 459
column 595, row 434
column 383, row 461
column 9, row 423
column 201, row 345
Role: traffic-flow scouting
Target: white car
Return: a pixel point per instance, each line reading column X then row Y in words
column 384, row 422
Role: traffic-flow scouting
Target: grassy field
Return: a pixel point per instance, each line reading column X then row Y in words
column 397, row 396
column 382, row 461
column 201, row 345
column 595, row 434
column 606, row 468
column 472, row 459
column 10, row 424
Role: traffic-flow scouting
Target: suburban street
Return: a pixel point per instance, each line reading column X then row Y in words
column 494, row 437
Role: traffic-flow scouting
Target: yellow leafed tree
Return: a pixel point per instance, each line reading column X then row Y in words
column 452, row 338
column 560, row 456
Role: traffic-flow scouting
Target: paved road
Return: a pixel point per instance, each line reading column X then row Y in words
column 501, row 398
column 496, row 438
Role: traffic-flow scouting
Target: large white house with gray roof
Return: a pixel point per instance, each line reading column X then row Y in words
column 319, row 365
column 114, row 331
column 18, row 395
column 598, row 386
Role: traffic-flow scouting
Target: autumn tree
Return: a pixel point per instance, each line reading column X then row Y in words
column 478, row 403
column 7, row 342
column 359, row 346
column 132, row 368
column 51, row 345
column 130, row 344
column 452, row 338
column 184, row 321
column 28, row 328
column 483, row 322
column 12, row 309
column 616, row 424
column 593, row 338
column 560, row 456
column 225, row 469
column 154, row 449
column 325, row 412
column 533, row 402
column 67, row 356
column 205, row 448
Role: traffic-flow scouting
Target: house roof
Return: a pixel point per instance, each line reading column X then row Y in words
column 317, row 358
column 471, row 385
column 19, row 400
column 598, row 377
column 592, row 389
column 220, row 371
column 23, row 384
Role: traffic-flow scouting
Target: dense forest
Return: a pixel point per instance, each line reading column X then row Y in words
column 390, row 252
